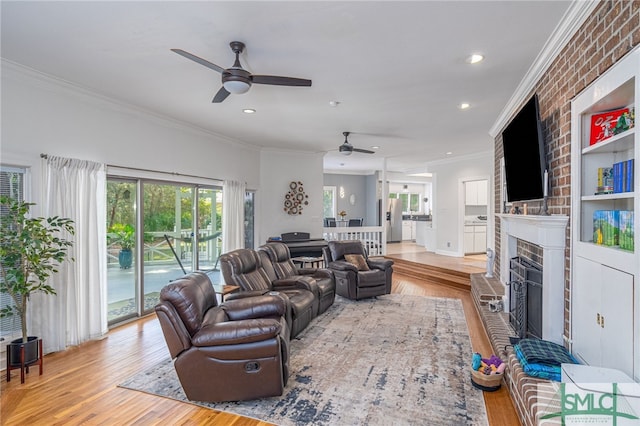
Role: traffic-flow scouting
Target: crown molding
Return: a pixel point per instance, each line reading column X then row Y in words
column 572, row 20
column 62, row 86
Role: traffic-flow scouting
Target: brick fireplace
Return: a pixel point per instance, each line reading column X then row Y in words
column 547, row 232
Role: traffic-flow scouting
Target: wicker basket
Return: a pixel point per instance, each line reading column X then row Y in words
column 486, row 382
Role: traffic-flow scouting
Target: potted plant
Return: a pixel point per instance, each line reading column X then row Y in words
column 124, row 236
column 31, row 250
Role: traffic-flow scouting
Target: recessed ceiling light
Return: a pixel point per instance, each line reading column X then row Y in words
column 249, row 111
column 464, row 105
column 334, row 103
column 375, row 147
column 449, row 153
column 475, row 58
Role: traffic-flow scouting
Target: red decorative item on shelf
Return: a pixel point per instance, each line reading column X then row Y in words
column 604, row 125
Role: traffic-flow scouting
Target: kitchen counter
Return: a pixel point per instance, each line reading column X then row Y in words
column 417, row 217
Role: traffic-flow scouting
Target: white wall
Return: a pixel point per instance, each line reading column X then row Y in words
column 278, row 169
column 448, row 199
column 43, row 115
column 356, row 185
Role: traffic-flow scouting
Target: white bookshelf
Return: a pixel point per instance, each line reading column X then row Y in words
column 604, row 299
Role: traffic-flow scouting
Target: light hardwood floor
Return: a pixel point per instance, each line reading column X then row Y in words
column 79, row 385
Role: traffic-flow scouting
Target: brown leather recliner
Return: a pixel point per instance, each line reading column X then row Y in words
column 244, row 268
column 283, row 267
column 351, row 282
column 235, row 351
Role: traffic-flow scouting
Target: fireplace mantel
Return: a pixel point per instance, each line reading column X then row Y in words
column 548, row 232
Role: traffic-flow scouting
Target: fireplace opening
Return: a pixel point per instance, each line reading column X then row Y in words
column 525, row 297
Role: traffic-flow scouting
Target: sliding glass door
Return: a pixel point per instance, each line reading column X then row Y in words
column 167, row 221
column 163, row 238
column 122, row 297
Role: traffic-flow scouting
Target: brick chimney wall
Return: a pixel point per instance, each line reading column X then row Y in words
column 612, row 30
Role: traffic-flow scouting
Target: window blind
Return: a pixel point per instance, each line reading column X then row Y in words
column 11, row 184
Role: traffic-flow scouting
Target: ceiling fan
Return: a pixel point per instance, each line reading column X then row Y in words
column 346, row 148
column 236, row 79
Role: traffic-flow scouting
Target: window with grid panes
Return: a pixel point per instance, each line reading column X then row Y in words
column 11, row 184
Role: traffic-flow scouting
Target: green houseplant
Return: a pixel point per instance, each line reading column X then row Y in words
column 31, row 250
column 124, row 236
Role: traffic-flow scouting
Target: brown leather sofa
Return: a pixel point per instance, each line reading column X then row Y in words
column 245, row 268
column 281, row 267
column 237, row 350
column 352, row 282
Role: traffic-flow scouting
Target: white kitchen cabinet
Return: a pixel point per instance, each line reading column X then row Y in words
column 421, row 232
column 480, row 239
column 475, row 192
column 475, row 238
column 604, row 302
column 602, row 315
column 408, row 230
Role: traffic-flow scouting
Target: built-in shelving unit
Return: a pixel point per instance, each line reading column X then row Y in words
column 604, row 303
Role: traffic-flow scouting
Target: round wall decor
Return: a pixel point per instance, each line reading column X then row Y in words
column 295, row 199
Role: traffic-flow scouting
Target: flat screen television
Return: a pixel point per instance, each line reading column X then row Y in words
column 524, row 159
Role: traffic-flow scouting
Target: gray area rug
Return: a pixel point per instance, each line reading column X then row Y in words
column 394, row 360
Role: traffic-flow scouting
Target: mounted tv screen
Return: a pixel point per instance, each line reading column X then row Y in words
column 524, row 160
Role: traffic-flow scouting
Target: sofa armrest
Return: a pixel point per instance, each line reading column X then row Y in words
column 296, row 281
column 316, row 272
column 244, row 294
column 237, row 332
column 343, row 266
column 266, row 306
column 383, row 264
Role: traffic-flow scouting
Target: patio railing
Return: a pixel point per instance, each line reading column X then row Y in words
column 157, row 248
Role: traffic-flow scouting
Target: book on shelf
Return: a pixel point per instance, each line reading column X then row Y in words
column 605, row 180
column 623, row 176
column 625, row 238
column 606, row 227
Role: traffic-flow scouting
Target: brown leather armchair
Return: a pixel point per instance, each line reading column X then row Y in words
column 281, row 266
column 244, row 268
column 235, row 351
column 353, row 282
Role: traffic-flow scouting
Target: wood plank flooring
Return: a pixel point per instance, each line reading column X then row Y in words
column 79, row 385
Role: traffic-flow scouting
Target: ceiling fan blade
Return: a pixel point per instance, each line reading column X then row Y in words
column 280, row 81
column 220, row 96
column 365, row 151
column 199, row 60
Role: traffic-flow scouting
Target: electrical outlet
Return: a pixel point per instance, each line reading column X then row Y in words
column 448, row 243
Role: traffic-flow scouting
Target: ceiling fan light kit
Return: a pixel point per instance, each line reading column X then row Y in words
column 236, row 87
column 236, row 80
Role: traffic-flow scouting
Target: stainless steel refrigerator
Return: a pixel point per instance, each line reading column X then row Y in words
column 394, row 221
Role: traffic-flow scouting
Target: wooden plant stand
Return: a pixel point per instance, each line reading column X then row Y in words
column 11, row 365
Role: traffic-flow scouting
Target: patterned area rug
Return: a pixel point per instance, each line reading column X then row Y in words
column 396, row 359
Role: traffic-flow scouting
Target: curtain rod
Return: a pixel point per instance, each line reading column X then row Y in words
column 46, row 156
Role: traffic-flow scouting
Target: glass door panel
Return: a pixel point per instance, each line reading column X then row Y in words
column 169, row 248
column 122, row 301
column 209, row 236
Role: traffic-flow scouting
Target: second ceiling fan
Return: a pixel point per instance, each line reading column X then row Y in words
column 236, row 79
column 346, row 148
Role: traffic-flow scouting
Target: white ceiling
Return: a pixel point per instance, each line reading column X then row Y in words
column 397, row 69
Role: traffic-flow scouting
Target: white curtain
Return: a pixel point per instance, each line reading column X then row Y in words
column 233, row 194
column 75, row 189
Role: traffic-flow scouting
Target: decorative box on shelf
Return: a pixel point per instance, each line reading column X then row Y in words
column 609, row 123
